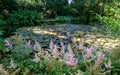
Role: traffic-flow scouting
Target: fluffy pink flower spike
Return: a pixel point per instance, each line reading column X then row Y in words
column 72, row 61
column 99, row 58
column 55, row 51
column 51, row 45
column 28, row 43
column 89, row 52
column 62, row 47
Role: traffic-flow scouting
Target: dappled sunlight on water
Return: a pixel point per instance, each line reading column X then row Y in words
column 41, row 31
column 78, row 33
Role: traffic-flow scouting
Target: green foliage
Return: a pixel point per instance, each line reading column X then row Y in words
column 28, row 66
column 115, row 56
column 31, row 4
column 111, row 20
column 3, row 49
column 17, row 19
column 63, row 19
column 56, row 6
column 2, row 23
column 68, row 19
column 8, row 5
column 23, row 18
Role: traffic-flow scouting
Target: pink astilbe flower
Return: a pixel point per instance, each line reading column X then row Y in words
column 63, row 47
column 37, row 46
column 89, row 52
column 36, row 59
column 100, row 58
column 55, row 50
column 28, row 43
column 51, row 45
column 8, row 44
column 72, row 61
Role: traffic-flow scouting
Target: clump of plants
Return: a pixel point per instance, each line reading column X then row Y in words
column 28, row 57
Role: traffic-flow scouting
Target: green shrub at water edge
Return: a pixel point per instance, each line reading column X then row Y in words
column 23, row 18
column 18, row 19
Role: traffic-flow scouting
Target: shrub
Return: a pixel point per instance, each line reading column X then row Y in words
column 111, row 19
column 17, row 19
column 23, row 18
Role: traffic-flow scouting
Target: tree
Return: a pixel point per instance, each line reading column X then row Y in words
column 8, row 5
